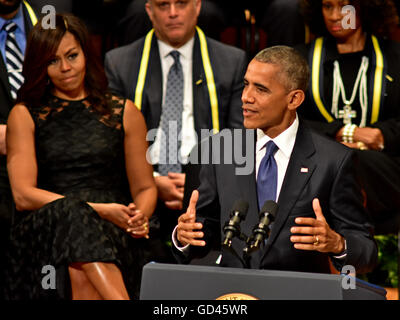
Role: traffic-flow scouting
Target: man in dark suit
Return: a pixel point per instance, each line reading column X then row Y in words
column 212, row 84
column 24, row 16
column 320, row 213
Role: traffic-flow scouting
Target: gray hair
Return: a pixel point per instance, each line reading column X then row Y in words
column 294, row 71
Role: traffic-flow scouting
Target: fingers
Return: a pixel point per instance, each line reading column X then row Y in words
column 138, row 219
column 132, row 206
column 315, row 234
column 138, row 225
column 307, row 242
column 191, row 210
column 352, row 145
column 186, row 218
column 178, row 179
column 303, row 239
column 140, row 234
column 189, row 231
column 191, row 239
column 317, row 210
column 177, row 194
column 140, row 229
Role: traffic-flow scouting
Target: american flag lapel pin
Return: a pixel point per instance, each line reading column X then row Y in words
column 304, row 170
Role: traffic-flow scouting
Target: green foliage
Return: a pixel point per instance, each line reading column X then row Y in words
column 385, row 274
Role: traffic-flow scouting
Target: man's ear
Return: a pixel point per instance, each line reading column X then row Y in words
column 149, row 10
column 198, row 7
column 296, row 98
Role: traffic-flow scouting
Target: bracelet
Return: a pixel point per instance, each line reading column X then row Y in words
column 348, row 133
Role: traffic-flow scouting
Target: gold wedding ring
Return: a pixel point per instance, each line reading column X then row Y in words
column 316, row 242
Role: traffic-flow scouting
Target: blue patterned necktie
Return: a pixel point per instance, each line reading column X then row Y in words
column 14, row 59
column 171, row 119
column 267, row 177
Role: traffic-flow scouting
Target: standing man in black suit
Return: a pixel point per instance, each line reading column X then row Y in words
column 320, row 215
column 22, row 14
column 212, row 83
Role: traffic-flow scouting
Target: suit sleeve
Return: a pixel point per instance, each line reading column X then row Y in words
column 349, row 218
column 114, row 80
column 207, row 212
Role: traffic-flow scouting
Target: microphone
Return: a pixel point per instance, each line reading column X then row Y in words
column 232, row 228
column 267, row 216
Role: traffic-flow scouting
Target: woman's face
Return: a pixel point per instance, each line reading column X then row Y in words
column 67, row 69
column 333, row 17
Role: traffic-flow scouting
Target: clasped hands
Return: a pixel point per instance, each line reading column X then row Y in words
column 364, row 139
column 312, row 234
column 128, row 218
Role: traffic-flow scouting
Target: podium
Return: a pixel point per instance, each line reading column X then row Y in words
column 191, row 282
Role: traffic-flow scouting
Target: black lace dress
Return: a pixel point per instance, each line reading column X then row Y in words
column 80, row 154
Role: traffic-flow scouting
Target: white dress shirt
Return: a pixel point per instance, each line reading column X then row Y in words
column 285, row 143
column 189, row 136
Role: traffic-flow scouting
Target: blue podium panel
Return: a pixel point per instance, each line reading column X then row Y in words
column 190, row 282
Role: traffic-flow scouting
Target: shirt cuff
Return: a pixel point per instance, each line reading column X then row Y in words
column 156, row 174
column 343, row 254
column 175, row 241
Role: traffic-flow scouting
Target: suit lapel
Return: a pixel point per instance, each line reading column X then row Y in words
column 201, row 101
column 295, row 180
column 247, row 185
column 27, row 20
column 4, row 78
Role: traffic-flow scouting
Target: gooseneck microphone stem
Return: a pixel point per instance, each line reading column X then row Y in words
column 232, row 227
column 262, row 228
column 260, row 231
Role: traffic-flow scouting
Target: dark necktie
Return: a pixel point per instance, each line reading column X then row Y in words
column 267, row 177
column 14, row 59
column 171, row 119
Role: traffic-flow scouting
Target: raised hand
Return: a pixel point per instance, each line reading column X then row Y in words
column 315, row 234
column 188, row 230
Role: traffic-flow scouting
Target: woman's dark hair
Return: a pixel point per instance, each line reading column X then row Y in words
column 377, row 16
column 41, row 48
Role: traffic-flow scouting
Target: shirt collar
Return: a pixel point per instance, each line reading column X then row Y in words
column 18, row 19
column 186, row 50
column 285, row 141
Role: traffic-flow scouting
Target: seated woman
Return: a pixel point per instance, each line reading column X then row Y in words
column 354, row 95
column 78, row 172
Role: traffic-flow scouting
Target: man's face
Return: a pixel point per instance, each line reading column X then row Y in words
column 174, row 21
column 265, row 99
column 8, row 6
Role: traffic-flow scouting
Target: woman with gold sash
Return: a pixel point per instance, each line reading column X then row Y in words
column 354, row 94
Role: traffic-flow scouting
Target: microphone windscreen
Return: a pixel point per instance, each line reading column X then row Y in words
column 242, row 207
column 269, row 206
